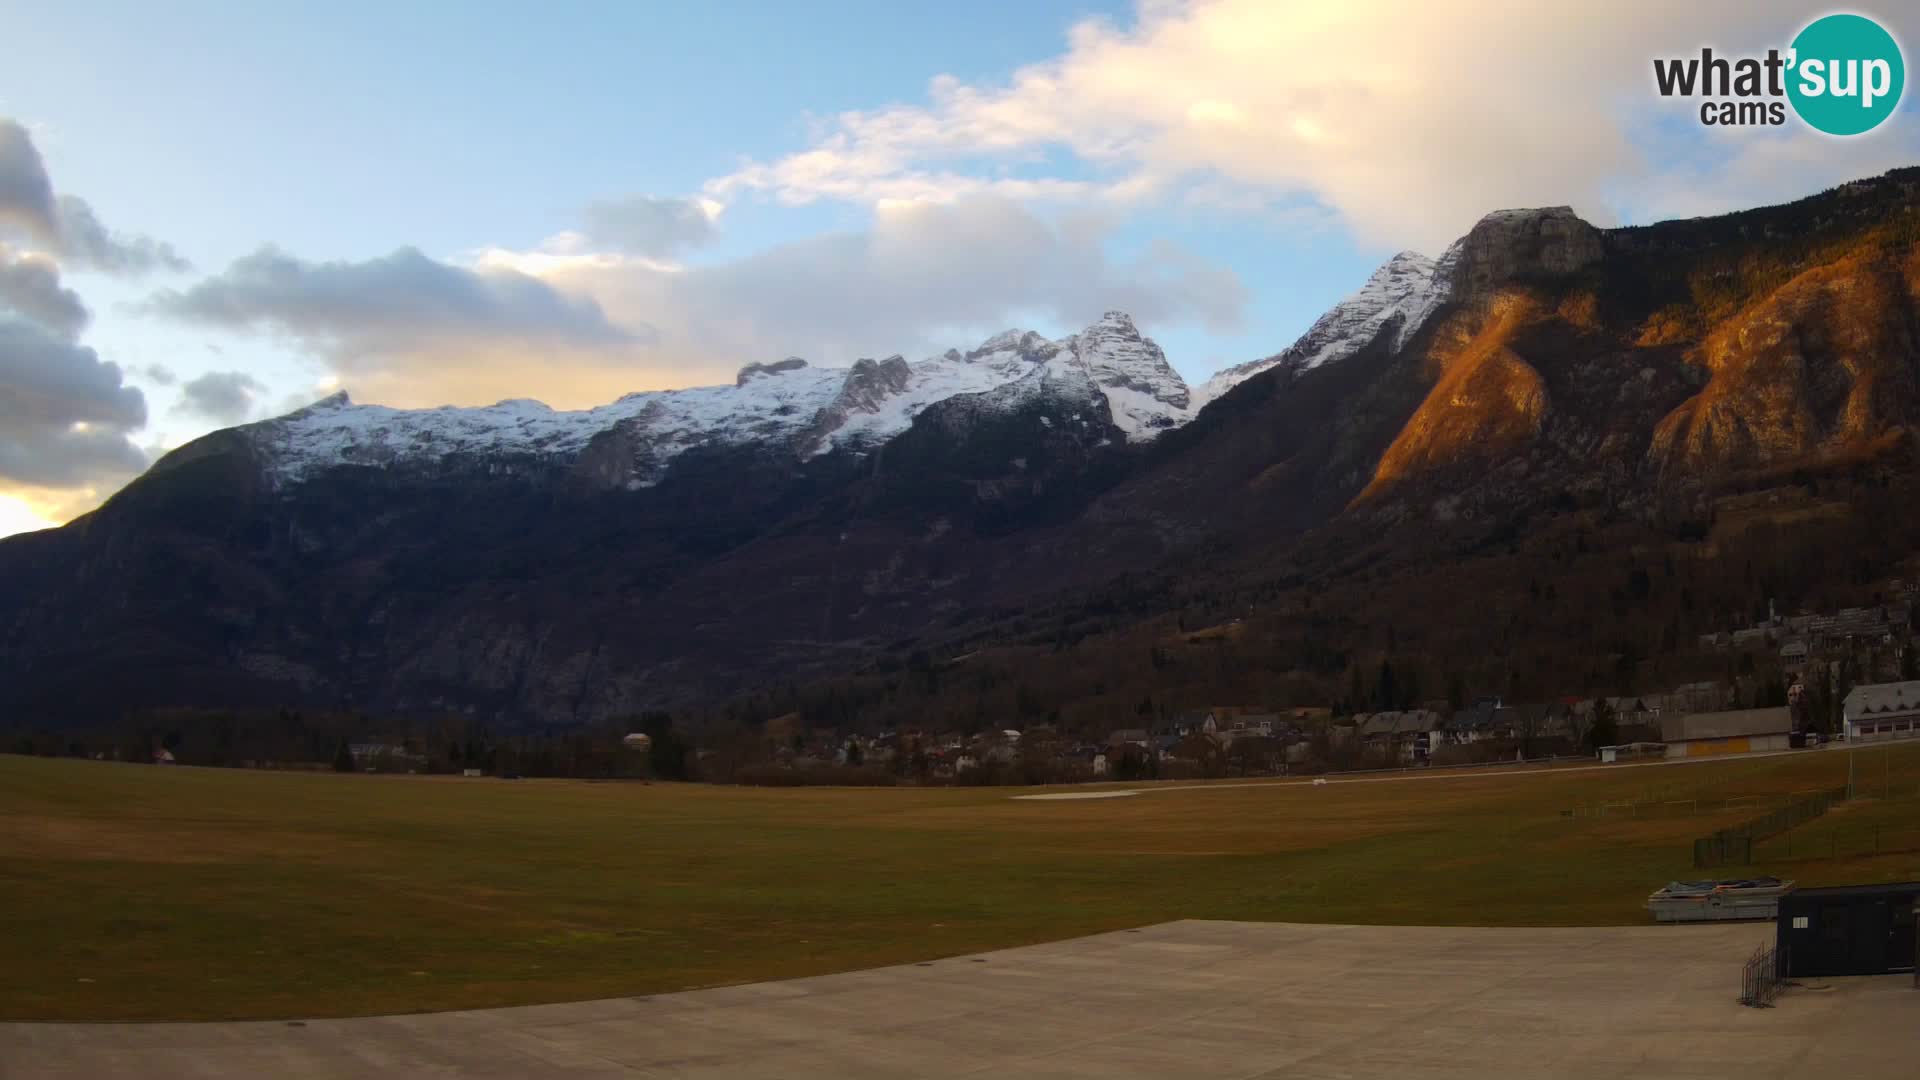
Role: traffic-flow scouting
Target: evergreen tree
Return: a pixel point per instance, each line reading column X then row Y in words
column 671, row 753
column 1604, row 730
column 1386, row 691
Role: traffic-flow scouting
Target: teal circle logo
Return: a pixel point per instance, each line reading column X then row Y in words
column 1847, row 74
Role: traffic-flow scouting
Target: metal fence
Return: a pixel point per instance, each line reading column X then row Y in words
column 1734, row 844
column 1670, row 808
column 1857, row 841
column 1763, row 977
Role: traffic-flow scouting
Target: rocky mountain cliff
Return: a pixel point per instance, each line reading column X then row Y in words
column 1658, row 363
column 524, row 565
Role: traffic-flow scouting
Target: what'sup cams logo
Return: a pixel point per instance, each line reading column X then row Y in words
column 1842, row 75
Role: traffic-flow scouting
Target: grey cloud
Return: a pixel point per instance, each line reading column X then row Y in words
column 26, row 195
column 649, row 225
column 86, row 241
column 64, row 413
column 363, row 315
column 226, row 397
column 154, row 373
column 31, row 289
column 66, row 224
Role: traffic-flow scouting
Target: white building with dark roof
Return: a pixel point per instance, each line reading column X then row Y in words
column 1881, row 711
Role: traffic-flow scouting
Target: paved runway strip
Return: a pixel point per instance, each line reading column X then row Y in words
column 1214, row 999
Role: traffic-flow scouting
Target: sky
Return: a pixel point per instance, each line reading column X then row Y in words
column 213, row 213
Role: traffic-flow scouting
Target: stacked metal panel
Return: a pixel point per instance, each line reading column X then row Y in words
column 1712, row 901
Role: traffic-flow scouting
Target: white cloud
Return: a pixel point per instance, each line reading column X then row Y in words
column 923, row 276
column 1407, row 120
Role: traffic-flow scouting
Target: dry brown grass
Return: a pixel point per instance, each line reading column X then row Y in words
column 195, row 894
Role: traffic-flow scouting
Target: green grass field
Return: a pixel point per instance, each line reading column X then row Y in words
column 132, row 892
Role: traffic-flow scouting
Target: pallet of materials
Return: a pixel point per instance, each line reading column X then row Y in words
column 1709, row 901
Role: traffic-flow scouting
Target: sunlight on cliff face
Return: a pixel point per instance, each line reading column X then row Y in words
column 1810, row 368
column 1487, row 397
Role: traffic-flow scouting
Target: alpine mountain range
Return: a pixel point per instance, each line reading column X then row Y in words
column 534, row 566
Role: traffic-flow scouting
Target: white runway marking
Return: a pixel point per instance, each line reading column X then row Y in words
column 1056, row 796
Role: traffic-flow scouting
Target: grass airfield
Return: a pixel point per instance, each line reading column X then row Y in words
column 139, row 893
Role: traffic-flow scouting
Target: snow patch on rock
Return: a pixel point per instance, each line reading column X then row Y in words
column 1409, row 287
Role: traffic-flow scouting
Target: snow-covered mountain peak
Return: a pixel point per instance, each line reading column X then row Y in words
column 1404, row 291
column 786, row 404
column 1144, row 392
column 1024, row 344
column 336, row 400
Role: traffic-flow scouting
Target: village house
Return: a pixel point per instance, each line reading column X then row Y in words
column 1415, row 734
column 1376, row 729
column 1625, row 710
column 1191, row 721
column 1633, row 718
column 1882, row 711
column 368, row 751
column 1528, row 724
column 1543, row 729
column 1691, row 698
column 1254, row 724
column 1471, row 724
column 1794, row 652
column 1814, row 631
column 383, row 755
